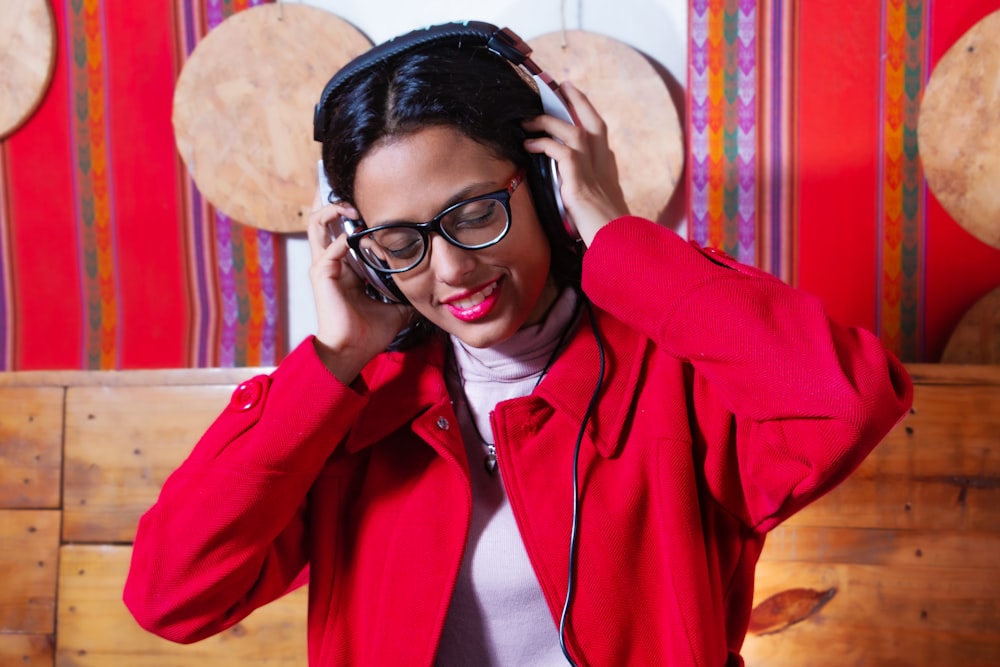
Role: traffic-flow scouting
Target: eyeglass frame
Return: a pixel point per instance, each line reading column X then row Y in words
column 502, row 195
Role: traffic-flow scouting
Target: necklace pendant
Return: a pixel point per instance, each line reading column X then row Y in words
column 490, row 460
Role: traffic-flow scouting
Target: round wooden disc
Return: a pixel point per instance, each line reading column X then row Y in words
column 27, row 59
column 643, row 126
column 243, row 110
column 976, row 339
column 959, row 131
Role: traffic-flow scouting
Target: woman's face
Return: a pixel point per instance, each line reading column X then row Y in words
column 481, row 296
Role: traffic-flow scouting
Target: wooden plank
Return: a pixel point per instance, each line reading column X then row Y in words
column 861, row 645
column 939, row 468
column 30, row 446
column 882, row 615
column 922, row 374
column 903, row 504
column 950, row 432
column 954, row 373
column 27, row 650
column 29, row 551
column 875, row 546
column 164, row 376
column 96, row 629
column 121, row 444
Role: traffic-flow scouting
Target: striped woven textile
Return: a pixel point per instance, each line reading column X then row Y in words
column 803, row 160
column 802, row 132
column 109, row 256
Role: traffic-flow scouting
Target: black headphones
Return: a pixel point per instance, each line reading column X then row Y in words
column 543, row 178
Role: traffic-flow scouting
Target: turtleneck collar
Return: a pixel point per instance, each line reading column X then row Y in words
column 525, row 354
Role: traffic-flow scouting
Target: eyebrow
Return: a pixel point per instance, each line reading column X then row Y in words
column 466, row 192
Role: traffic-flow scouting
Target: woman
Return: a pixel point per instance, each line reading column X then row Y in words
column 560, row 452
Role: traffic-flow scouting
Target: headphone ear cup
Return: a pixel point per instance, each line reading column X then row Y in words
column 378, row 286
column 543, row 181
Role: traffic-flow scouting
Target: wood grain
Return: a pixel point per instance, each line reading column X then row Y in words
column 909, row 543
column 27, row 650
column 940, row 467
column 29, row 551
column 243, row 109
column 121, row 444
column 976, row 337
column 883, row 615
column 131, row 378
column 644, row 128
column 897, row 566
column 959, row 130
column 30, row 446
column 97, row 630
column 27, row 59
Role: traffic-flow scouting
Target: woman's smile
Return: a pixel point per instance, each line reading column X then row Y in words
column 470, row 307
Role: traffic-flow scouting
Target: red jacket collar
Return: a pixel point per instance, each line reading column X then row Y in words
column 404, row 385
column 570, row 384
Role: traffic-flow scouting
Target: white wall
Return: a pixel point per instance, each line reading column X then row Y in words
column 657, row 28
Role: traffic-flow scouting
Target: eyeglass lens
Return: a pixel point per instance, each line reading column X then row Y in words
column 473, row 224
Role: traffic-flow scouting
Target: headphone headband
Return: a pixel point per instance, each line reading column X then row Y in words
column 504, row 42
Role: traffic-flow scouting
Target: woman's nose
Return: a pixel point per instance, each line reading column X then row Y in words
column 449, row 262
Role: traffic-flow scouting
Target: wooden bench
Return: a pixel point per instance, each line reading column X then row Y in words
column 83, row 455
column 898, row 566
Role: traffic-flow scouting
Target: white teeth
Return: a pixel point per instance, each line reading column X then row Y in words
column 475, row 299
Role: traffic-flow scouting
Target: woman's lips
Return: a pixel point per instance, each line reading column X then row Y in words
column 476, row 305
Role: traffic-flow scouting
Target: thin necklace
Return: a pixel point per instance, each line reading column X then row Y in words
column 490, row 459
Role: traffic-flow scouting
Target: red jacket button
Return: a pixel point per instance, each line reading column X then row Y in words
column 247, row 395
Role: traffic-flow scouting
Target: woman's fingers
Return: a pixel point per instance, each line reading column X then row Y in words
column 590, row 186
column 318, row 227
column 584, row 109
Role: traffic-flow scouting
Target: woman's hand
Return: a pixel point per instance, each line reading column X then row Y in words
column 590, row 188
column 352, row 327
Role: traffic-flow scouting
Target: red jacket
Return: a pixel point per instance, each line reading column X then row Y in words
column 729, row 402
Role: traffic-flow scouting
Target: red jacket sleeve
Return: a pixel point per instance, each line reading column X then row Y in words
column 806, row 398
column 226, row 534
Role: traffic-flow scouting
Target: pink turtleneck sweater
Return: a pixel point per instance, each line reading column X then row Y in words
column 498, row 615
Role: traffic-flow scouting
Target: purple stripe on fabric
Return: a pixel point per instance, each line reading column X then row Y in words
column 777, row 100
column 198, row 230
column 698, row 41
column 189, row 28
column 202, row 299
column 269, row 286
column 746, row 115
column 227, row 289
column 214, row 14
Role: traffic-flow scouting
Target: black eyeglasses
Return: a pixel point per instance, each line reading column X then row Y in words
column 472, row 224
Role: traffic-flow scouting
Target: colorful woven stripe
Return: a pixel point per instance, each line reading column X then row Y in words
column 235, row 268
column 723, row 125
column 85, row 49
column 742, row 158
column 903, row 189
column 776, row 210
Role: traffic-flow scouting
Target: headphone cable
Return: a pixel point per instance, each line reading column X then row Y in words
column 577, row 501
